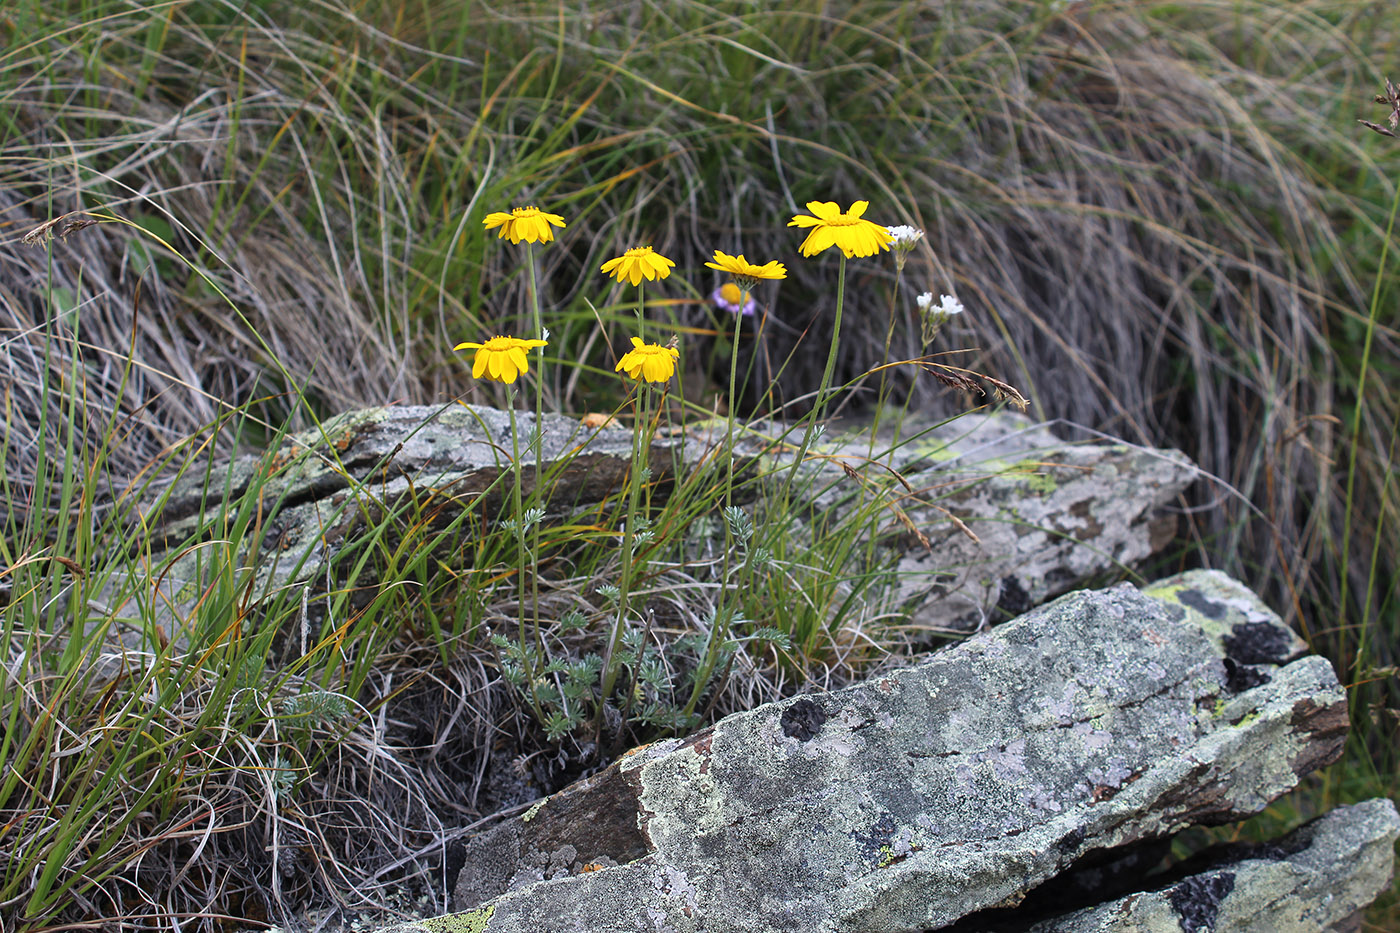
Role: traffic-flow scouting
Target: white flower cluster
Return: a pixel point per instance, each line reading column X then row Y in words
column 905, row 236
column 935, row 316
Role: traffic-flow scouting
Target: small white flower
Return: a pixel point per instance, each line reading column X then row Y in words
column 905, row 236
column 936, row 315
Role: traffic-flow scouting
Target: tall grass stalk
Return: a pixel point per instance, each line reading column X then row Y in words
column 813, row 419
column 1363, row 641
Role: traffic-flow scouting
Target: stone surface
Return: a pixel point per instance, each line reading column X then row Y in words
column 1015, row 516
column 1009, row 515
column 1315, row 878
column 926, row 794
column 317, row 493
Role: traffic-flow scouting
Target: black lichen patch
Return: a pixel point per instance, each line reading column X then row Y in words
column 878, row 835
column 1014, row 599
column 1198, row 602
column 1069, row 843
column 802, row 720
column 1197, row 900
column 1242, row 677
column 1258, row 643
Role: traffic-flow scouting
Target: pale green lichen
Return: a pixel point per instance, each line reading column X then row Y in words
column 1247, row 719
column 473, row 921
column 1037, row 480
column 533, row 811
column 1215, row 629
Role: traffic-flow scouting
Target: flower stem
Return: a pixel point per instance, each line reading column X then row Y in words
column 819, row 404
column 641, row 446
column 884, row 374
column 537, row 438
column 733, row 388
column 719, row 632
column 520, row 561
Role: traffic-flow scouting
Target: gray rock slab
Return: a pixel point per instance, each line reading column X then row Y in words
column 320, row 490
column 929, row 793
column 1316, row 878
column 1009, row 531
column 1009, row 515
column 994, row 514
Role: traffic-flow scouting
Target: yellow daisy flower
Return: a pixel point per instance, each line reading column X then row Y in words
column 501, row 359
column 742, row 269
column 524, row 223
column 848, row 231
column 649, row 361
column 638, row 263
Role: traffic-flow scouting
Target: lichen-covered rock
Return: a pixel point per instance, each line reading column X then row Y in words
column 1009, row 516
column 318, row 492
column 1314, row 879
column 923, row 795
column 993, row 513
column 1035, row 517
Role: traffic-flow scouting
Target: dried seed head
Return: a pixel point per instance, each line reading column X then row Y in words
column 59, row 227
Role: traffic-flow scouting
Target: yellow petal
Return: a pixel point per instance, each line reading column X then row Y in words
column 517, row 357
column 857, row 209
column 819, row 239
column 479, row 364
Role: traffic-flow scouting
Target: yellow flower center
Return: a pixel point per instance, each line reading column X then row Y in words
column 731, row 293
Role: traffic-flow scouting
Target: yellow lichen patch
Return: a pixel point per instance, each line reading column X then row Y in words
column 473, row 921
column 531, row 813
column 1037, row 479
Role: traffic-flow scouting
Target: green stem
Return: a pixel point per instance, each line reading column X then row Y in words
column 719, row 633
column 537, row 438
column 884, row 373
column 733, row 388
column 640, row 447
column 520, row 561
column 819, row 404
